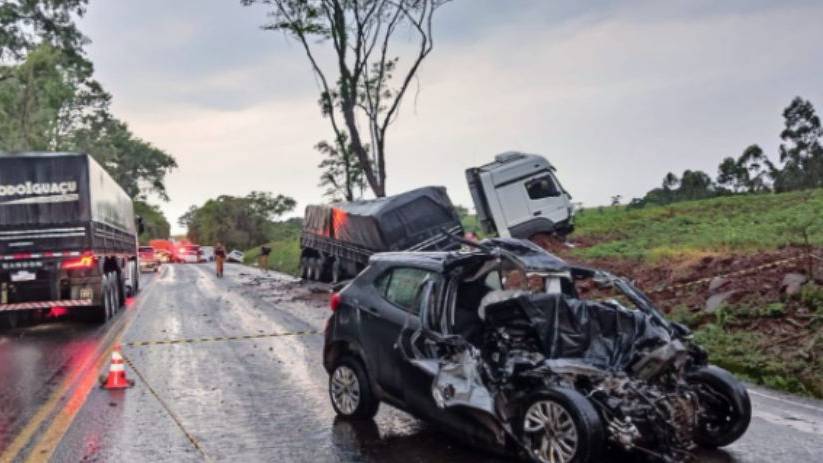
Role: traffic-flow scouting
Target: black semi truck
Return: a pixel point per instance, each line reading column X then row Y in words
column 68, row 237
column 338, row 239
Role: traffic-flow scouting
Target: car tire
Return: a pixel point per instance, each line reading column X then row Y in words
column 350, row 390
column 554, row 412
column 729, row 402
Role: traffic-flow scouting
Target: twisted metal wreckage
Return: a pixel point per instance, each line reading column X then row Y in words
column 560, row 378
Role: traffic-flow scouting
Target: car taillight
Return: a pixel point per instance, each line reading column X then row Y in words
column 334, row 302
column 86, row 261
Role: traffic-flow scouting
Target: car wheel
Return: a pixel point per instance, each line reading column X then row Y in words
column 726, row 409
column 350, row 391
column 561, row 426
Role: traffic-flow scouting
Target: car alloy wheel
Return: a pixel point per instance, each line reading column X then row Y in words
column 345, row 390
column 553, row 431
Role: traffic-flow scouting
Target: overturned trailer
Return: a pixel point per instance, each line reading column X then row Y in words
column 502, row 345
column 338, row 239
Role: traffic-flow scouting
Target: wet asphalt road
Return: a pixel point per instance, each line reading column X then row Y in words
column 258, row 399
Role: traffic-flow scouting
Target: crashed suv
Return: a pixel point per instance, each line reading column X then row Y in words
column 498, row 344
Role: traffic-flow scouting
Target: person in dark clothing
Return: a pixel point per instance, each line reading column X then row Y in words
column 219, row 258
column 263, row 261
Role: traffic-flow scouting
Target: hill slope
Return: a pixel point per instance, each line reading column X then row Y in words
column 744, row 223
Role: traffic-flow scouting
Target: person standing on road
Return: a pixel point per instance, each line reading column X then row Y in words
column 219, row 258
column 264, row 258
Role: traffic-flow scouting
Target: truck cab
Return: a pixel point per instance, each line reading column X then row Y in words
column 518, row 195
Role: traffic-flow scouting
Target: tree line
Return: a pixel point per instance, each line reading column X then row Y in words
column 799, row 166
column 50, row 101
column 237, row 222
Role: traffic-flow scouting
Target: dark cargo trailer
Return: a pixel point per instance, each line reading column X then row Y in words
column 68, row 237
column 338, row 239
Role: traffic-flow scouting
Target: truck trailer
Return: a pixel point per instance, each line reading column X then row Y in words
column 68, row 237
column 338, row 239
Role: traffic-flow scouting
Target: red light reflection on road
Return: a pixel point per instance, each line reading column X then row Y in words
column 130, row 301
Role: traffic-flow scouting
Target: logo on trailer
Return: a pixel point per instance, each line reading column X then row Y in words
column 39, row 193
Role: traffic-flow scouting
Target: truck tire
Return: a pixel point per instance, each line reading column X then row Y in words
column 313, row 265
column 304, row 268
column 336, row 271
column 103, row 312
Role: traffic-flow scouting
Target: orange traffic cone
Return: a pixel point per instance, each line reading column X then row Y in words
column 117, row 372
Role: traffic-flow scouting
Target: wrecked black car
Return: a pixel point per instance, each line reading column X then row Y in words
column 498, row 343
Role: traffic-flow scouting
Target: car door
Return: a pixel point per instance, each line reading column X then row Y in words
column 392, row 312
column 546, row 198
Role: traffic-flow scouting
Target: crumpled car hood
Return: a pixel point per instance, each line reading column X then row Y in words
column 602, row 334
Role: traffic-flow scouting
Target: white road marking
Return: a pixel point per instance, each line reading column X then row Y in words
column 786, row 401
column 810, row 426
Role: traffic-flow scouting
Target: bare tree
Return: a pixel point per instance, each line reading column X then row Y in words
column 367, row 86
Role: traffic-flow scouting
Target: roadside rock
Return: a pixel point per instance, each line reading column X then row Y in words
column 717, row 283
column 718, row 300
column 792, row 282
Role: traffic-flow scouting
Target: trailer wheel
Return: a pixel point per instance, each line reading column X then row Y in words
column 313, row 273
column 304, row 268
column 102, row 312
column 12, row 319
column 335, row 271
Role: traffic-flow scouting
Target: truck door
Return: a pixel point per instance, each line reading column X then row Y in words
column 546, row 198
column 514, row 203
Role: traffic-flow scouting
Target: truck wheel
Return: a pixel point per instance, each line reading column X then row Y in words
column 313, row 269
column 120, row 291
column 304, row 268
column 110, row 295
column 335, row 271
column 321, row 269
column 560, row 425
column 12, row 319
column 101, row 312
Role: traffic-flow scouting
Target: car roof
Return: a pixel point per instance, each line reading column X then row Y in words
column 531, row 256
column 435, row 260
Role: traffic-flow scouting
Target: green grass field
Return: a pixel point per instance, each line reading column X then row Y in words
column 740, row 223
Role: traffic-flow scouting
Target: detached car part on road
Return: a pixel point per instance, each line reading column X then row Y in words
column 497, row 344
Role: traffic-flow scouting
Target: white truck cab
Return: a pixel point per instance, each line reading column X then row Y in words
column 518, row 195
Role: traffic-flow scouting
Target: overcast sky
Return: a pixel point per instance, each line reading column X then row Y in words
column 614, row 94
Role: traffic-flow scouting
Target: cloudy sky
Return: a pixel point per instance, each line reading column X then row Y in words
column 614, row 94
